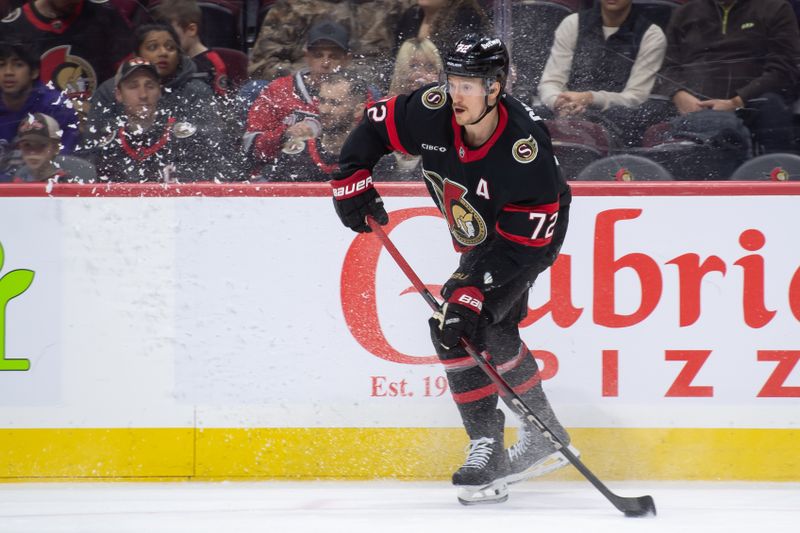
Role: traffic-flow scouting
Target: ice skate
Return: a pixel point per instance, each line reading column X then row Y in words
column 528, row 459
column 482, row 477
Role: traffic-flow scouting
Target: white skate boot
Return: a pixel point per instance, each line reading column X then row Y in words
column 482, row 477
column 528, row 459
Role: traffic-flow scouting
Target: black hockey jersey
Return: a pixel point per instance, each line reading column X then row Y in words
column 501, row 200
column 77, row 52
column 168, row 151
column 303, row 161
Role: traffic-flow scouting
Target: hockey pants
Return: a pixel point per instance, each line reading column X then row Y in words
column 473, row 391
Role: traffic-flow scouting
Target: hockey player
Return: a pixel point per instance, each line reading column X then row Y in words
column 488, row 164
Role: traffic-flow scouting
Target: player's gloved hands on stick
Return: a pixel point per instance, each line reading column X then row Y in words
column 354, row 198
column 461, row 314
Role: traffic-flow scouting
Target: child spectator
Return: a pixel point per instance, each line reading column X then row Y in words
column 38, row 141
column 23, row 94
column 150, row 143
column 184, row 95
column 185, row 16
column 79, row 42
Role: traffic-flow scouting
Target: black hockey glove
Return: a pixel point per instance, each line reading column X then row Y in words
column 354, row 198
column 461, row 315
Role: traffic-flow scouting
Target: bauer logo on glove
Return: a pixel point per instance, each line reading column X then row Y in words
column 355, row 198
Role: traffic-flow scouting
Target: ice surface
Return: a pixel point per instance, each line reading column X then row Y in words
column 384, row 506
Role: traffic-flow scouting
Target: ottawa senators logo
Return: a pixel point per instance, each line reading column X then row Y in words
column 466, row 223
column 434, row 98
column 623, row 174
column 70, row 74
column 525, row 150
column 779, row 174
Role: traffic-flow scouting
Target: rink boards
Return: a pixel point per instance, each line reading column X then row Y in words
column 240, row 331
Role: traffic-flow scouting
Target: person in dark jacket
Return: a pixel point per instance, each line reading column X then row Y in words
column 150, row 143
column 184, row 94
column 730, row 54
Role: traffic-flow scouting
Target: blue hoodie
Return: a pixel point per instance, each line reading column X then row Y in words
column 42, row 99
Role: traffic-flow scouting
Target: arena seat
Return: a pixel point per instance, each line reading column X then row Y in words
column 657, row 11
column 236, row 63
column 576, row 143
column 222, row 23
column 769, row 167
column 624, row 167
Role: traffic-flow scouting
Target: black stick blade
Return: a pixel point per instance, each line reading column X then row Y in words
column 642, row 506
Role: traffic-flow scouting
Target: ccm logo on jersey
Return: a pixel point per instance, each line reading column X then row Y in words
column 351, row 186
column 433, row 148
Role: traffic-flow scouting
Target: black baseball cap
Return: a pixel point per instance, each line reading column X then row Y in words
column 330, row 31
column 132, row 65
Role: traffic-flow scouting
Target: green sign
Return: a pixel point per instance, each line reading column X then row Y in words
column 11, row 285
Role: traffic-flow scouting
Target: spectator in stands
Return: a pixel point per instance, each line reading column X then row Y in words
column 602, row 67
column 730, row 54
column 184, row 95
column 185, row 16
column 23, row 94
column 441, row 21
column 152, row 144
column 418, row 63
column 39, row 140
column 341, row 104
column 287, row 107
column 80, row 42
column 372, row 24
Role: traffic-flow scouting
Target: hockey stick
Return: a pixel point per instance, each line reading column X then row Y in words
column 633, row 507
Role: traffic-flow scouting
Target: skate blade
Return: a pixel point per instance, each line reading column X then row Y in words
column 543, row 466
column 496, row 492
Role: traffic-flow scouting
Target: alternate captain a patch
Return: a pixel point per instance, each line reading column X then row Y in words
column 525, row 150
column 434, row 98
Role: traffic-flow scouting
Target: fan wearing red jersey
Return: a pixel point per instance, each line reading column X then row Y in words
column 488, row 164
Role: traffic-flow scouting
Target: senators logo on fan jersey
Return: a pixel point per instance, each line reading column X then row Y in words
column 70, row 74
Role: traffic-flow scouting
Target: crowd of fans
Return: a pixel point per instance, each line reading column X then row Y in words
column 111, row 90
